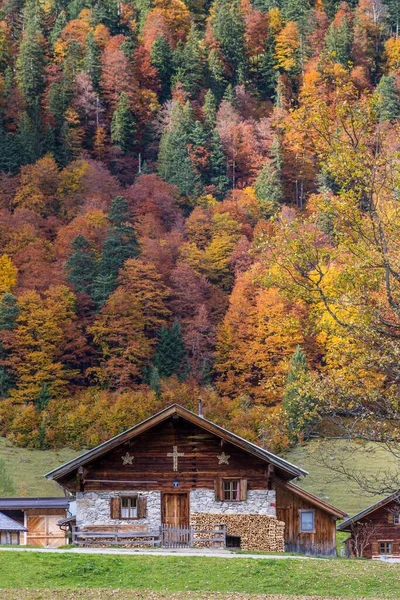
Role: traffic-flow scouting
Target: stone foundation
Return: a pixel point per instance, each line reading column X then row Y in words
column 257, row 532
column 93, row 509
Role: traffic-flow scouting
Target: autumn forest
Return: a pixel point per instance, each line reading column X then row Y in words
column 199, row 199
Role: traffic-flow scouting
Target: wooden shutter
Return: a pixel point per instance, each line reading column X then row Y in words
column 219, row 489
column 115, row 508
column 243, row 489
column 391, row 517
column 142, row 507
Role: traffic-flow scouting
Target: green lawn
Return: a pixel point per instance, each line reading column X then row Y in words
column 326, row 484
column 27, row 467
column 339, row 578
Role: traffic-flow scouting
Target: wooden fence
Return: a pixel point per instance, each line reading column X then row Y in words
column 167, row 537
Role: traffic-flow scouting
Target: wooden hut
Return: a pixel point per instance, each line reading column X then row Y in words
column 375, row 531
column 179, row 479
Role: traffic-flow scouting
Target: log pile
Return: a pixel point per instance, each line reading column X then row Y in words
column 256, row 532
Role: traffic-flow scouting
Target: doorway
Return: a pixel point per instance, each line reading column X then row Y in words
column 176, row 531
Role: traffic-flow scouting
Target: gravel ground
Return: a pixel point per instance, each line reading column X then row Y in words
column 86, row 594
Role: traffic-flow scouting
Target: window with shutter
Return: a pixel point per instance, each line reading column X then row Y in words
column 396, row 518
column 129, row 507
column 230, row 490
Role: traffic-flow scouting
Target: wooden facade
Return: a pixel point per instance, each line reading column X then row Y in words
column 290, row 502
column 152, row 469
column 375, row 531
column 182, row 456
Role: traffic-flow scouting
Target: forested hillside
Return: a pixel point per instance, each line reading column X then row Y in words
column 199, row 199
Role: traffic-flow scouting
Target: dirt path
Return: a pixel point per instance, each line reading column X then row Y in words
column 188, row 552
column 87, row 594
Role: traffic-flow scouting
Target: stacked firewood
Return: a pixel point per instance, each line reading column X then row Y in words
column 256, row 532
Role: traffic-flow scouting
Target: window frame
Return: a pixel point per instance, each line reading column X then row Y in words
column 388, row 543
column 396, row 518
column 230, row 482
column 301, row 512
column 129, row 508
column 219, row 488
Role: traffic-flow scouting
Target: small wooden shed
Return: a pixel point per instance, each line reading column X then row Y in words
column 10, row 530
column 39, row 519
column 310, row 522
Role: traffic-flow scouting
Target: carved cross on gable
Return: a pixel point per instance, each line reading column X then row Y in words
column 175, row 455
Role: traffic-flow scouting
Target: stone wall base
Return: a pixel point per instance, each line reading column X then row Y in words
column 257, row 532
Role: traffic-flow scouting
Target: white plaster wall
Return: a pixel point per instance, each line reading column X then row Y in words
column 93, row 508
column 260, row 502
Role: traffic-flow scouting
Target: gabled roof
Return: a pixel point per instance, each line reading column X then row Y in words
column 8, row 524
column 291, row 470
column 23, row 503
column 346, row 525
column 315, row 501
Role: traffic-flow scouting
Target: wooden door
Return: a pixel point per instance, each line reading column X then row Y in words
column 44, row 531
column 176, row 532
column 175, row 510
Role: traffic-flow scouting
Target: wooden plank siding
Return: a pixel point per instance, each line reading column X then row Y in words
column 320, row 542
column 152, row 469
column 43, row 529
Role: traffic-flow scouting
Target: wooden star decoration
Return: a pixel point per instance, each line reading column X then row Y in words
column 223, row 459
column 127, row 459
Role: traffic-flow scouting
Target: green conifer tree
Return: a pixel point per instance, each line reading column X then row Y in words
column 59, row 24
column 188, row 64
column 387, row 99
column 216, row 73
column 43, row 398
column 338, row 42
column 91, row 61
column 210, row 110
column 26, row 140
column 123, row 125
column 218, row 166
column 31, row 62
column 155, row 382
column 162, row 58
column 229, row 29
column 81, row 266
column 300, row 406
column 269, row 189
column 119, row 245
column 9, row 312
column 393, row 17
column 174, row 164
column 170, row 356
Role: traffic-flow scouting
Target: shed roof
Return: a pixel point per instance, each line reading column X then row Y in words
column 346, row 525
column 8, row 524
column 315, row 501
column 23, row 503
column 288, row 468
